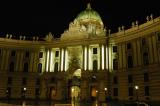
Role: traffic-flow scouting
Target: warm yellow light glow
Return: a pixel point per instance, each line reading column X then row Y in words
column 66, row 60
column 89, row 57
column 51, row 61
column 62, row 58
column 47, row 61
column 136, row 87
column 85, row 58
column 72, row 89
column 77, row 73
column 106, row 57
column 24, row 89
column 105, row 89
column 102, row 57
column 110, row 59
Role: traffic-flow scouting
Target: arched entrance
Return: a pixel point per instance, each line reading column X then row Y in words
column 52, row 93
column 74, row 86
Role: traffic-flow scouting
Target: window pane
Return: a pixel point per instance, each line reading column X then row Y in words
column 41, row 55
column 57, row 54
column 114, row 48
column 94, row 50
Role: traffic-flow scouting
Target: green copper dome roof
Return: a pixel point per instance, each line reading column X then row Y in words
column 89, row 14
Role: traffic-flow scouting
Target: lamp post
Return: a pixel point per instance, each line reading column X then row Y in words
column 136, row 88
column 105, row 89
column 96, row 97
column 73, row 98
column 24, row 94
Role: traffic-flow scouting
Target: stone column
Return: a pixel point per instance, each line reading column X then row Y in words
column 7, row 60
column 4, row 53
column 150, row 51
column 64, row 59
column 100, row 49
column 105, row 60
column 134, row 54
column 124, row 55
column 154, row 42
column 120, row 53
column 88, row 58
column 139, row 54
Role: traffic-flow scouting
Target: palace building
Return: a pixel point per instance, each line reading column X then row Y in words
column 87, row 62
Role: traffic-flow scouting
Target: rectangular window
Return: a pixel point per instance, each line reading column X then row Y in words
column 13, row 53
column 115, row 91
column 129, row 46
column 38, row 81
column 40, row 54
column 57, row 54
column 27, row 54
column 24, row 81
column 37, row 92
column 146, row 77
column 115, row 64
column 9, row 80
column 130, row 79
column 146, row 90
column 115, row 80
column 94, row 50
column 130, row 91
column 130, row 62
column 158, row 35
column 114, row 49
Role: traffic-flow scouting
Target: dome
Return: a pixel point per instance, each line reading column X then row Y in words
column 89, row 15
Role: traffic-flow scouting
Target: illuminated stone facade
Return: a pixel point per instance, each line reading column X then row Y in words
column 88, row 62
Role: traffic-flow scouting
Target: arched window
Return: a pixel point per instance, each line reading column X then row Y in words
column 25, row 67
column 95, row 65
column 56, row 67
column 11, row 67
column 39, row 67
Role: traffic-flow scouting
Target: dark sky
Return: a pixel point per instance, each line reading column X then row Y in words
column 40, row 17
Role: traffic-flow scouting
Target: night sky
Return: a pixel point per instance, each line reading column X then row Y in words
column 38, row 18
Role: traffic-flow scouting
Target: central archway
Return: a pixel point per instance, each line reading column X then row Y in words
column 74, row 88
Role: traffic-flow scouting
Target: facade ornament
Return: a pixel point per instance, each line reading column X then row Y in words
column 147, row 18
column 20, row 37
column 136, row 23
column 34, row 38
column 151, row 16
column 37, row 38
column 24, row 37
column 122, row 27
column 109, row 31
column 49, row 37
column 10, row 37
column 119, row 29
column 7, row 36
column 133, row 24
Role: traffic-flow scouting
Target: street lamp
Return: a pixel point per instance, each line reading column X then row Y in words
column 105, row 89
column 73, row 98
column 24, row 91
column 136, row 88
column 96, row 97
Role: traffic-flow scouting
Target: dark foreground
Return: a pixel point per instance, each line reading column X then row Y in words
column 73, row 103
